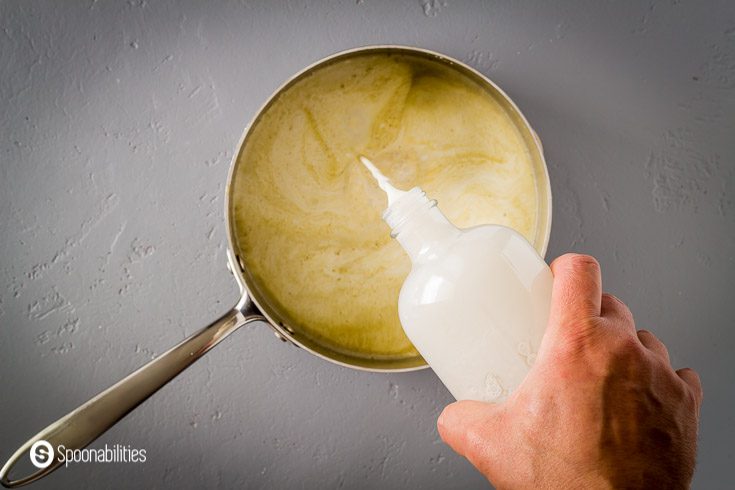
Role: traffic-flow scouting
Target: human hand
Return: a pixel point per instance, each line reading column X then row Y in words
column 601, row 407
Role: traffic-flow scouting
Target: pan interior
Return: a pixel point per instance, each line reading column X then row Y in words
column 305, row 215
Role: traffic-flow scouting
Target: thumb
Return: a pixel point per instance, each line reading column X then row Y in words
column 468, row 427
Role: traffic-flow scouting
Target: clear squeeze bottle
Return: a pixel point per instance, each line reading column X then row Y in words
column 476, row 301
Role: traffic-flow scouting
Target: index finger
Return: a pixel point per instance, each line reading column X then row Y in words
column 577, row 290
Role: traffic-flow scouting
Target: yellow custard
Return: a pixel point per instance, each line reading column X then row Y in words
column 307, row 213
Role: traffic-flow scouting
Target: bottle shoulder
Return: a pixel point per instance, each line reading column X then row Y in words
column 487, row 239
column 476, row 252
column 488, row 232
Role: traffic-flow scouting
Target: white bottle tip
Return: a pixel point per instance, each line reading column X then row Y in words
column 383, row 181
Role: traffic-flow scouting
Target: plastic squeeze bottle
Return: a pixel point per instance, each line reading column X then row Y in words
column 476, row 301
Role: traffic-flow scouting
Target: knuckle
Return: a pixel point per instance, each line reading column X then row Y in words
column 588, row 343
column 650, row 341
column 580, row 334
column 692, row 375
column 614, row 302
column 610, row 298
column 588, row 306
column 628, row 347
column 648, row 338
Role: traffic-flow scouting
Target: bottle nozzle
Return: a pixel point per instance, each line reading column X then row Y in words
column 401, row 204
column 383, row 181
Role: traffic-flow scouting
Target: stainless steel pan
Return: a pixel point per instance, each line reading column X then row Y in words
column 83, row 425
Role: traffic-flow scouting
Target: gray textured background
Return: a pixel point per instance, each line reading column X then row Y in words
column 117, row 124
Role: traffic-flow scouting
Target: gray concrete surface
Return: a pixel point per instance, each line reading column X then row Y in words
column 117, row 123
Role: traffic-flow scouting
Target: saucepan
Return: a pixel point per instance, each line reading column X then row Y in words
column 84, row 424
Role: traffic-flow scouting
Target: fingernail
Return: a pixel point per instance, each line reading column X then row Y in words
column 442, row 420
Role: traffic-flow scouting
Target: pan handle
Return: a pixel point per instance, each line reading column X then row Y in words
column 83, row 425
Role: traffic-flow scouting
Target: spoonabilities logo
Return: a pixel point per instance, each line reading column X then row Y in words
column 42, row 454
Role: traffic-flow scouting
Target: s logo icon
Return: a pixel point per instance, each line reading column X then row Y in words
column 42, row 454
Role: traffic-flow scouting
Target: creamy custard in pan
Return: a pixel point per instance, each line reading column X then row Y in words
column 308, row 214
